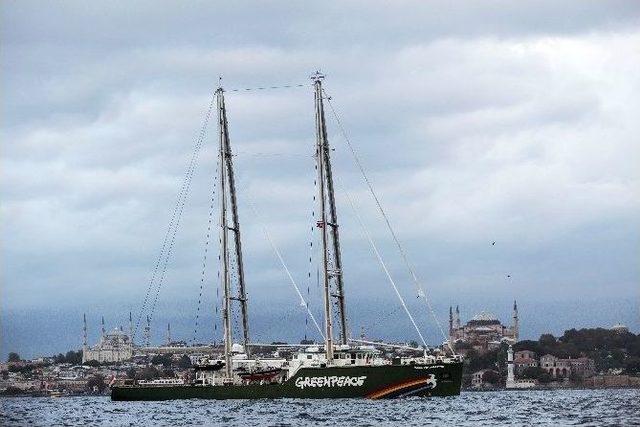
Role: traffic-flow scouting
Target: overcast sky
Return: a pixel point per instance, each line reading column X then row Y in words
column 478, row 122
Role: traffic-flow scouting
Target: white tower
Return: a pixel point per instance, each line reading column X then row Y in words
column 511, row 380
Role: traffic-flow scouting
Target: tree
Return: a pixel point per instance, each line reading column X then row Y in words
column 74, row 357
column 184, row 362
column 527, row 345
column 13, row 357
column 501, row 357
column 161, row 359
column 632, row 365
column 131, row 373
column 545, row 378
column 96, row 382
column 93, row 363
column 148, row 373
column 547, row 340
column 491, row 377
column 414, row 344
column 532, row 372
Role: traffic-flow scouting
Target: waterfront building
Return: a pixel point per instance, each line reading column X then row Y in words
column 524, row 359
column 563, row 368
column 484, row 331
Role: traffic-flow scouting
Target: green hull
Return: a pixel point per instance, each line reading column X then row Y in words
column 373, row 382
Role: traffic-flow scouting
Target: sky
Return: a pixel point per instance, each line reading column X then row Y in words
column 477, row 122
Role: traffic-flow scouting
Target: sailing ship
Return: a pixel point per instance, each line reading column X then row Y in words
column 338, row 368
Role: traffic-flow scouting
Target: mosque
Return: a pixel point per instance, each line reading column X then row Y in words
column 484, row 331
column 114, row 346
column 118, row 346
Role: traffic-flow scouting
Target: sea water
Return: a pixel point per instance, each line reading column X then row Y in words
column 614, row 407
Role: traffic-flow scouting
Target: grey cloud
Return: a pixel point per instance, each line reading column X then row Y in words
column 501, row 121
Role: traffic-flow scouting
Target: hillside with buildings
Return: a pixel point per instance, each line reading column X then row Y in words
column 579, row 358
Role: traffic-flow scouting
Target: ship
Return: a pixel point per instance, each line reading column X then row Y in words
column 338, row 367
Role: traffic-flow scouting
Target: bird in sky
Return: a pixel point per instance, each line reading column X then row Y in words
column 493, row 243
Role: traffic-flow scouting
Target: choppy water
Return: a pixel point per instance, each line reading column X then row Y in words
column 562, row 407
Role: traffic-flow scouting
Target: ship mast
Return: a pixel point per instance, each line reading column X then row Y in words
column 332, row 268
column 227, row 187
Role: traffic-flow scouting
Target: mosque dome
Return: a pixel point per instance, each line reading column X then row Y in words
column 484, row 316
column 619, row 327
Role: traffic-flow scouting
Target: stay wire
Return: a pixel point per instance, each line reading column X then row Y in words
column 175, row 218
column 206, row 250
column 303, row 302
column 367, row 234
column 421, row 292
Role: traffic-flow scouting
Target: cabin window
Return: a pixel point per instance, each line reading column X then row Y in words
column 309, row 356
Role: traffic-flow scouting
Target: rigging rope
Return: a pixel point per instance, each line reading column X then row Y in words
column 311, row 238
column 248, row 89
column 382, row 264
column 303, row 302
column 175, row 220
column 421, row 292
column 206, row 250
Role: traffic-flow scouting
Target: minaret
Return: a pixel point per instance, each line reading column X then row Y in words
column 516, row 322
column 147, row 333
column 103, row 330
column 450, row 323
column 457, row 317
column 168, row 334
column 84, row 338
column 130, row 329
column 511, row 380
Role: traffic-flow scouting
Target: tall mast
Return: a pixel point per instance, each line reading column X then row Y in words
column 331, row 263
column 226, row 286
column 336, row 272
column 235, row 228
column 320, row 159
